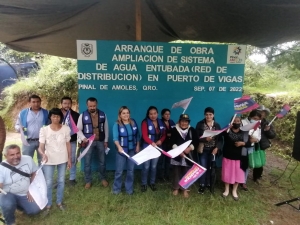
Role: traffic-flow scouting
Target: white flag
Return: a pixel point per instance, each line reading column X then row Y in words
column 147, row 153
column 179, row 149
column 183, row 103
column 23, row 139
column 250, row 126
column 38, row 189
column 91, row 139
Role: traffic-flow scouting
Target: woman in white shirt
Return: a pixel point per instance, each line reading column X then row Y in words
column 253, row 117
column 55, row 149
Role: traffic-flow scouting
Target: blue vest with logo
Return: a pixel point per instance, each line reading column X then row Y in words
column 23, row 118
column 123, row 135
column 88, row 124
column 151, row 130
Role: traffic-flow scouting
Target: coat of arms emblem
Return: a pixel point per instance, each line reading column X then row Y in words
column 86, row 49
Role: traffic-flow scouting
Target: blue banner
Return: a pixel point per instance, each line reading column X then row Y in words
column 141, row 74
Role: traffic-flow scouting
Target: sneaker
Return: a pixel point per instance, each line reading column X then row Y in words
column 201, row 190
column 143, row 188
column 104, row 183
column 153, row 187
column 72, row 182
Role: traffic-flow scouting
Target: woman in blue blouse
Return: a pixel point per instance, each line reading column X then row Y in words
column 126, row 138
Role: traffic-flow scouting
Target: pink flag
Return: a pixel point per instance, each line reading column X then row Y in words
column 211, row 133
column 91, row 139
column 244, row 104
column 191, row 176
column 183, row 103
column 286, row 108
column 72, row 125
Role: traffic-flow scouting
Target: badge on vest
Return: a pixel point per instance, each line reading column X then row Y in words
column 150, row 127
column 122, row 130
column 86, row 118
column 162, row 127
column 134, row 128
column 102, row 116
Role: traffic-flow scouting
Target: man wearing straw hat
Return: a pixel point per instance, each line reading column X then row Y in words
column 267, row 133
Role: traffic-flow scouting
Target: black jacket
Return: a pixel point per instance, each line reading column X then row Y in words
column 266, row 135
column 200, row 130
column 176, row 139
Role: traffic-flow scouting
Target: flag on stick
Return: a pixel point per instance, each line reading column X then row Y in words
column 91, row 139
column 69, row 121
column 192, row 175
column 124, row 153
column 211, row 133
column 183, row 104
column 244, row 104
column 38, row 188
column 250, row 126
column 147, row 153
column 286, row 108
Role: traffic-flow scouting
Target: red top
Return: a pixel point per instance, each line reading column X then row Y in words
column 145, row 133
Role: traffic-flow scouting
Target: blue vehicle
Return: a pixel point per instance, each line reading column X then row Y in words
column 10, row 73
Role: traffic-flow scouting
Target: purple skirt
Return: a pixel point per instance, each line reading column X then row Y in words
column 231, row 171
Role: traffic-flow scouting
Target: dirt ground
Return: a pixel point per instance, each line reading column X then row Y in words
column 283, row 215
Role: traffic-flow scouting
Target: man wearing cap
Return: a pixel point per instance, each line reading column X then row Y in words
column 267, row 132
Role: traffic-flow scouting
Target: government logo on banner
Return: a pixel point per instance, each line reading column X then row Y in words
column 86, row 50
column 236, row 54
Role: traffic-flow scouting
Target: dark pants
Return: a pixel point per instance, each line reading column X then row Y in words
column 205, row 161
column 163, row 167
column 257, row 173
column 178, row 173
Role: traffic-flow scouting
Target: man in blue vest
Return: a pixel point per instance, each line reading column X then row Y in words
column 66, row 104
column 93, row 122
column 31, row 120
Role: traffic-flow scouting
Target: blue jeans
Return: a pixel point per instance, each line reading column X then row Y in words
column 29, row 150
column 121, row 160
column 10, row 202
column 205, row 161
column 145, row 171
column 73, row 158
column 99, row 147
column 49, row 172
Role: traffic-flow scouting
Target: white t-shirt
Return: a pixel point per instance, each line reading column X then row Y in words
column 55, row 144
column 14, row 182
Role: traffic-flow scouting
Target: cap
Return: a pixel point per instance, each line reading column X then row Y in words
column 184, row 117
column 263, row 108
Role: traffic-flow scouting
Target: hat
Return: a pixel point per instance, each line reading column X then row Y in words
column 184, row 117
column 263, row 108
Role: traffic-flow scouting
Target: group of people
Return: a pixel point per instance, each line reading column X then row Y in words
column 48, row 134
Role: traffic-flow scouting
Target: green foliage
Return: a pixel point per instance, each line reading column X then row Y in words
column 56, row 78
column 284, row 127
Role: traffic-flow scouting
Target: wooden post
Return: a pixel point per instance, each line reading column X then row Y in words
column 138, row 21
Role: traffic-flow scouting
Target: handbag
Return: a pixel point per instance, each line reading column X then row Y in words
column 257, row 158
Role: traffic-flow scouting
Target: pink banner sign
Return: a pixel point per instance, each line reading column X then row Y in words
column 191, row 176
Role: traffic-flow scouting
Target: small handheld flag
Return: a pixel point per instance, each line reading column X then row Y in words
column 244, row 104
column 286, row 108
column 183, row 104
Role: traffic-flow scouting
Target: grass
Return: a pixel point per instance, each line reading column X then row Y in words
column 99, row 206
